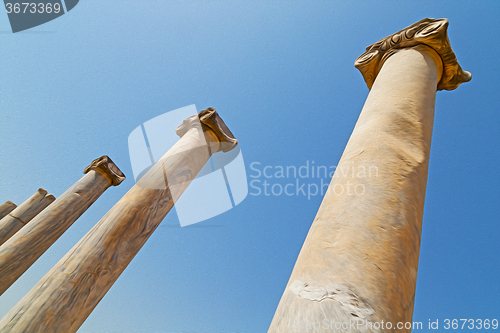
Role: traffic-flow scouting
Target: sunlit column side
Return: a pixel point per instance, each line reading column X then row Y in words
column 67, row 294
column 27, row 245
column 360, row 258
column 24, row 213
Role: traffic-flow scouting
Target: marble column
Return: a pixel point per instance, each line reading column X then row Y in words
column 357, row 269
column 24, row 213
column 6, row 208
column 27, row 245
column 67, row 294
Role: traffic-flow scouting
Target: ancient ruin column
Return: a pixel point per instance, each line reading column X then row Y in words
column 357, row 269
column 6, row 208
column 20, row 216
column 27, row 245
column 68, row 293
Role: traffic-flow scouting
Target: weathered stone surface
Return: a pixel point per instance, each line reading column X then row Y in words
column 20, row 216
column 430, row 32
column 27, row 245
column 68, row 293
column 360, row 258
column 6, row 208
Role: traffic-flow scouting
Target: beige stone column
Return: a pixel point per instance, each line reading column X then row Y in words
column 20, row 216
column 27, row 245
column 64, row 298
column 6, row 208
column 358, row 264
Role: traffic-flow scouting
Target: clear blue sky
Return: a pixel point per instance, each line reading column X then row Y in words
column 281, row 75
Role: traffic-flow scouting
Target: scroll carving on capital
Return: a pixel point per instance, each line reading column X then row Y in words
column 210, row 121
column 430, row 32
column 106, row 166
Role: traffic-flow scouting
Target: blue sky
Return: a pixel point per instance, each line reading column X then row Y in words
column 281, row 75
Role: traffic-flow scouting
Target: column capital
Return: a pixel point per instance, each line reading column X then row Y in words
column 43, row 193
column 107, row 167
column 210, row 122
column 430, row 32
column 8, row 205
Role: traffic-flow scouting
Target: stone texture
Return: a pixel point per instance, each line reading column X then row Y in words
column 6, row 208
column 20, row 216
column 360, row 258
column 68, row 293
column 27, row 245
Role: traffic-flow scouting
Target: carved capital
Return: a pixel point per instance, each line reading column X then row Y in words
column 107, row 167
column 210, row 122
column 430, row 32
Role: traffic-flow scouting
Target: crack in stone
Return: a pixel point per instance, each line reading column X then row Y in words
column 17, row 218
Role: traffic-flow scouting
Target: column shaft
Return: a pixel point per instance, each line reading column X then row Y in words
column 6, row 208
column 359, row 260
column 20, row 216
column 27, row 245
column 68, row 293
